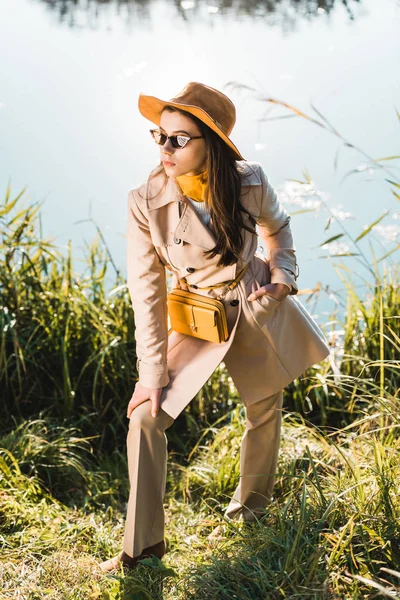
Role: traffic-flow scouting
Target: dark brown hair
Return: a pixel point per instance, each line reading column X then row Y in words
column 223, row 195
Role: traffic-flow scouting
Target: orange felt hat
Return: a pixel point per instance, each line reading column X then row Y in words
column 206, row 103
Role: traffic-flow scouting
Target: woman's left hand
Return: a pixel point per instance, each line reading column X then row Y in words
column 279, row 291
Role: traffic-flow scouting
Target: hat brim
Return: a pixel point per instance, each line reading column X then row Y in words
column 151, row 108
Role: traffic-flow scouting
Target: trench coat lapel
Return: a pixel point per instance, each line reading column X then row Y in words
column 191, row 228
column 188, row 225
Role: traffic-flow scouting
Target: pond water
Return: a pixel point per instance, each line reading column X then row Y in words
column 71, row 73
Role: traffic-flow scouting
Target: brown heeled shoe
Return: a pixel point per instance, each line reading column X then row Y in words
column 130, row 562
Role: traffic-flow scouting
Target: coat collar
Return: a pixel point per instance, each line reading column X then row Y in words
column 189, row 227
column 171, row 192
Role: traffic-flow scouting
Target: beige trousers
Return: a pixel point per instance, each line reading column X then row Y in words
column 147, row 461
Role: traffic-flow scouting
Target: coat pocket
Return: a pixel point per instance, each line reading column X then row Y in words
column 268, row 303
column 260, row 275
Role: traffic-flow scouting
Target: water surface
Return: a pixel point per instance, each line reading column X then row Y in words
column 71, row 73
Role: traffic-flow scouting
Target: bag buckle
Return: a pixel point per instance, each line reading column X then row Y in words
column 234, row 282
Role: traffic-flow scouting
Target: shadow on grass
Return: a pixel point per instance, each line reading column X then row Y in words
column 146, row 582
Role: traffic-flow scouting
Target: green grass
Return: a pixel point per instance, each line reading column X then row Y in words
column 332, row 530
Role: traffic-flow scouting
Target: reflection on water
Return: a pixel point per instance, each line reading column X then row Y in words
column 287, row 12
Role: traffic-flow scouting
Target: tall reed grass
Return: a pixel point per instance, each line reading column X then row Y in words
column 67, row 344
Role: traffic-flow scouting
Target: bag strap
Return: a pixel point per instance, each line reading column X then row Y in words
column 232, row 283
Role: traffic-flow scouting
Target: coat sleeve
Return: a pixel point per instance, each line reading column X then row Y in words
column 274, row 229
column 146, row 278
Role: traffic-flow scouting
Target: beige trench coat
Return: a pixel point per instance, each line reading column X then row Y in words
column 271, row 342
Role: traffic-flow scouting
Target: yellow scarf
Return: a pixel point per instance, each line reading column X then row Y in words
column 194, row 186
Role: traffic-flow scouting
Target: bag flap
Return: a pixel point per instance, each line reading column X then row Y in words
column 201, row 317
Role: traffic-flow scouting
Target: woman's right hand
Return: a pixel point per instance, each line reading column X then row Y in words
column 141, row 394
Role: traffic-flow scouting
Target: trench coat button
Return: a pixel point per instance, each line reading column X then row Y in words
column 177, row 240
column 190, row 270
column 234, row 302
column 194, row 286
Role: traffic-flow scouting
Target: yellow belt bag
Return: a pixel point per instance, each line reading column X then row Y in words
column 200, row 316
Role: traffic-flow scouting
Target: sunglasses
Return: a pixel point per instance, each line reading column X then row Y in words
column 177, row 141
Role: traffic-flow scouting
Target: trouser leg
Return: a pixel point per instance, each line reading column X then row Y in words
column 147, row 463
column 258, row 459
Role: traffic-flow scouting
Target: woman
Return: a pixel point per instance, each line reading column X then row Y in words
column 196, row 215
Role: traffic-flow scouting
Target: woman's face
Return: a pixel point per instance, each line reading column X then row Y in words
column 190, row 160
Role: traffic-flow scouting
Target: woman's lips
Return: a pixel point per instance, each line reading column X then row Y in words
column 167, row 163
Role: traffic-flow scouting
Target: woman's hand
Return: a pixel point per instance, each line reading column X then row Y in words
column 279, row 291
column 141, row 394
